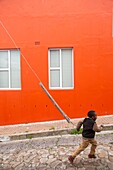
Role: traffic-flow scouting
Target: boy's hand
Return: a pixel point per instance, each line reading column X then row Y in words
column 102, row 126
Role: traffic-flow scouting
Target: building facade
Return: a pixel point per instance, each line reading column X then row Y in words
column 69, row 45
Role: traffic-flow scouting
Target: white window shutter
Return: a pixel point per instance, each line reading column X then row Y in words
column 15, row 69
column 66, row 55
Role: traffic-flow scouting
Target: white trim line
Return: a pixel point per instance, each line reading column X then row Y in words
column 54, row 68
column 4, row 69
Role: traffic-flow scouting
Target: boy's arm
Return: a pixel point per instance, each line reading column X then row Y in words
column 96, row 128
column 79, row 124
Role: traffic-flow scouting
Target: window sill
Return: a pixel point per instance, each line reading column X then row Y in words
column 58, row 88
column 9, row 89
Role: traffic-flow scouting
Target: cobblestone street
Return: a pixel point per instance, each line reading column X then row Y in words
column 50, row 153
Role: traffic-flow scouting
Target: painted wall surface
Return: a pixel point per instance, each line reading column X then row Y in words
column 36, row 25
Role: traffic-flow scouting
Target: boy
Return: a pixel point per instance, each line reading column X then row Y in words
column 89, row 129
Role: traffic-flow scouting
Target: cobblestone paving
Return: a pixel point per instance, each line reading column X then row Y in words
column 51, row 153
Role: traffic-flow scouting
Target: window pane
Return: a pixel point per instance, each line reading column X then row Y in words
column 3, row 59
column 54, row 58
column 15, row 69
column 66, row 67
column 4, row 79
column 55, row 78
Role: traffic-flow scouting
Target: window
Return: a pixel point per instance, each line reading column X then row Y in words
column 61, row 68
column 10, row 69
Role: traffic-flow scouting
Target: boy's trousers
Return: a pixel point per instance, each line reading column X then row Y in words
column 84, row 145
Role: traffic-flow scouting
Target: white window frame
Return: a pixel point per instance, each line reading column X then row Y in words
column 60, row 68
column 112, row 23
column 9, row 71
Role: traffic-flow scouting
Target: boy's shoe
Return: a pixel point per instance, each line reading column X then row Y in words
column 71, row 159
column 91, row 156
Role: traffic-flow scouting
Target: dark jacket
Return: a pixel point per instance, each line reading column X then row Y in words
column 88, row 125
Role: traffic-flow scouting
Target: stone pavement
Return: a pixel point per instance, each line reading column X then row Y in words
column 51, row 153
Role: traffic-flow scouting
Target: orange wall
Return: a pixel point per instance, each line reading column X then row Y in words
column 85, row 25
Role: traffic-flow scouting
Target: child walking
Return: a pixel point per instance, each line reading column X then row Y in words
column 88, row 134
